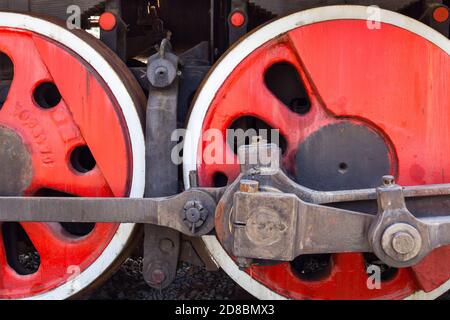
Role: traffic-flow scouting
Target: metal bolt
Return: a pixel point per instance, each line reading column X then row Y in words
column 158, row 276
column 166, row 245
column 243, row 263
column 161, row 70
column 194, row 215
column 388, row 181
column 249, row 186
column 403, row 243
column 155, row 274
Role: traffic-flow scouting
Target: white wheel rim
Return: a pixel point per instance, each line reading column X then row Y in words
column 226, row 66
column 102, row 67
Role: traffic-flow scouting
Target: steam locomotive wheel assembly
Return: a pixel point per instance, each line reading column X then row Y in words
column 71, row 126
column 315, row 160
column 353, row 100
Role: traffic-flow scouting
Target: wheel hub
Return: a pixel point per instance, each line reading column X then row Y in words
column 336, row 157
column 16, row 173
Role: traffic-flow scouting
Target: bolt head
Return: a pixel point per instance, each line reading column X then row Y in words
column 161, row 71
column 243, row 263
column 166, row 245
column 249, row 186
column 388, row 181
column 193, row 215
column 403, row 243
column 158, row 276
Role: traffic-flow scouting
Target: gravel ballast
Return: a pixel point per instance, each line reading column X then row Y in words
column 192, row 283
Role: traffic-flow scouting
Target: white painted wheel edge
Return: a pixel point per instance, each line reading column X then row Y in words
column 231, row 60
column 253, row 287
column 120, row 239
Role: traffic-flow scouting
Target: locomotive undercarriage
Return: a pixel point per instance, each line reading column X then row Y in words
column 264, row 214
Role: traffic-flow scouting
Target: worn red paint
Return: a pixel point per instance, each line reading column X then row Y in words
column 86, row 115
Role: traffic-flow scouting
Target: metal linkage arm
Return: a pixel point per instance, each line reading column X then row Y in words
column 277, row 226
column 280, row 226
column 191, row 212
column 439, row 228
column 398, row 237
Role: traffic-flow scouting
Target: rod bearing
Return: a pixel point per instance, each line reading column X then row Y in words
column 401, row 242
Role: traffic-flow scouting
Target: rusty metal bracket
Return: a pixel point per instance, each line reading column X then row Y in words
column 161, row 244
column 278, row 226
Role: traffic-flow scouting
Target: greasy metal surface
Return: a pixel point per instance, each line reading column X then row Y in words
column 202, row 252
column 325, row 227
column 15, row 163
column 161, row 261
column 280, row 227
column 394, row 221
column 195, row 64
column 277, row 226
column 162, row 172
column 161, row 253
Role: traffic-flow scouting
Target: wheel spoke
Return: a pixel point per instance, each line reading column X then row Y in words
column 29, row 70
column 349, row 268
column 87, row 100
column 248, row 95
column 350, row 271
column 10, row 281
column 60, row 253
column 62, row 179
column 307, row 79
column 47, row 238
column 58, row 249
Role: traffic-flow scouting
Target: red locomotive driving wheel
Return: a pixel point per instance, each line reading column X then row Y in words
column 70, row 125
column 353, row 100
